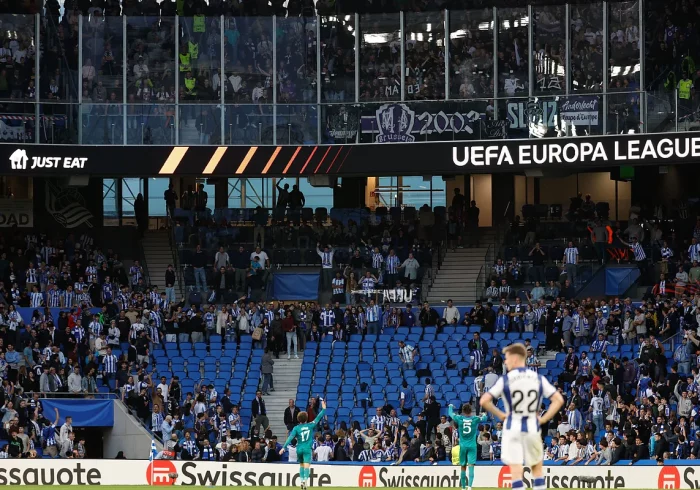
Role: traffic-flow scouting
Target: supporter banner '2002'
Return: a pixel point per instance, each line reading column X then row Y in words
column 200, row 473
column 379, row 159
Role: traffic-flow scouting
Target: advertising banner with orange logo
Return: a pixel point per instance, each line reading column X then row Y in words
column 204, row 473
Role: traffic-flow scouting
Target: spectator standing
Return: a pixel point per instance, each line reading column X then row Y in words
column 570, row 261
column 290, row 415
column 406, row 354
column 199, row 262
column 267, row 369
column 259, row 413
column 290, row 328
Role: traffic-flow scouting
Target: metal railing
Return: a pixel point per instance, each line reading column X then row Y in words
column 174, row 248
column 673, row 341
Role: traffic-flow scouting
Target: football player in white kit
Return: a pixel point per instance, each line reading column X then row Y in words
column 522, row 391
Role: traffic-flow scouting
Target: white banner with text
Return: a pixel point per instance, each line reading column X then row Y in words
column 202, row 473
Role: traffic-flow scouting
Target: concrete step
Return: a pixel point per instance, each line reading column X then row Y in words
column 286, row 379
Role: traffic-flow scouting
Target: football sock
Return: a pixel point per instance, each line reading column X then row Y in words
column 538, row 484
column 463, row 479
column 471, row 476
column 516, row 484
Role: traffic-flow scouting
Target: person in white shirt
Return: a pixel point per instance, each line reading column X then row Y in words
column 450, row 314
column 323, row 453
column 164, row 389
column 88, row 71
column 221, row 259
column 410, row 266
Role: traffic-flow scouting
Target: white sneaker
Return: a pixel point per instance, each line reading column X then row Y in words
column 288, row 358
column 296, row 357
column 469, row 488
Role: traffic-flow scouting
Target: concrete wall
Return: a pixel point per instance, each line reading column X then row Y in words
column 127, row 435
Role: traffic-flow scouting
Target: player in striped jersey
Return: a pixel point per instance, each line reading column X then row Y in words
column 522, row 391
column 32, row 276
column 570, row 261
column 36, row 299
column 135, row 273
column 327, row 318
column 392, row 269
column 69, row 298
column 338, row 287
column 666, row 254
column 53, row 297
column 600, row 345
column 377, row 261
column 640, row 256
column 91, row 272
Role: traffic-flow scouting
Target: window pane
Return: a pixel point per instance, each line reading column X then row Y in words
column 587, row 47
column 109, row 198
column 512, row 51
column 549, row 51
column 471, row 54
column 623, row 23
column 248, row 59
column 234, row 193
column 338, row 45
column 156, row 189
column 131, row 188
column 296, row 59
column 18, row 45
column 380, row 57
column 415, row 192
column 210, row 189
column 425, row 52
column 386, row 193
column 258, row 192
column 316, row 197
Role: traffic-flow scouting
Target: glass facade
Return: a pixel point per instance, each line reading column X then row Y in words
column 506, row 72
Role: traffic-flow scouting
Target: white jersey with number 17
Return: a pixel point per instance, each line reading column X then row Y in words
column 522, row 391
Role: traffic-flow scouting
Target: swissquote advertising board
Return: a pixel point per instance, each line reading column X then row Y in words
column 443, row 158
column 199, row 473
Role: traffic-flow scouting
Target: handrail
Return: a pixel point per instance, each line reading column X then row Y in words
column 673, row 340
column 144, row 262
column 74, row 395
column 479, row 283
column 176, row 256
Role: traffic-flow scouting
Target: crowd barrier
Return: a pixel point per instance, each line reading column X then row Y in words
column 200, row 473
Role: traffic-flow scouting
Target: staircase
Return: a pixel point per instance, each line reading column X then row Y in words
column 286, row 379
column 158, row 254
column 456, row 279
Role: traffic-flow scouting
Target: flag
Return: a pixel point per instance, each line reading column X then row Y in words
column 154, row 450
column 67, row 206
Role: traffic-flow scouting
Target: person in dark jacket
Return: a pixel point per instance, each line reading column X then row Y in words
column 618, row 451
column 428, row 316
column 641, row 451
column 660, row 447
column 223, row 281
column 290, row 415
column 339, row 453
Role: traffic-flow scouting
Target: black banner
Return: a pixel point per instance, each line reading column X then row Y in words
column 416, row 158
column 58, row 206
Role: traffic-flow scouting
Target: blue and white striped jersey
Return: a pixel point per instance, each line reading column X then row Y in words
column 522, row 391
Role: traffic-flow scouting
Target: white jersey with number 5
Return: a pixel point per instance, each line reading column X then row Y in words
column 522, row 391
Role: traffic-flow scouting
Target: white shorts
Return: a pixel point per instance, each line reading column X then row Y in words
column 521, row 448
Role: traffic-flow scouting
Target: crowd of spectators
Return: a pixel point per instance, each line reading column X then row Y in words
column 247, row 75
column 46, row 355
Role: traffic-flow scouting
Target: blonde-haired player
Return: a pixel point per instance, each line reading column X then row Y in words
column 522, row 391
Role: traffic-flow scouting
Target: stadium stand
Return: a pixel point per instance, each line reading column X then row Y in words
column 192, row 370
